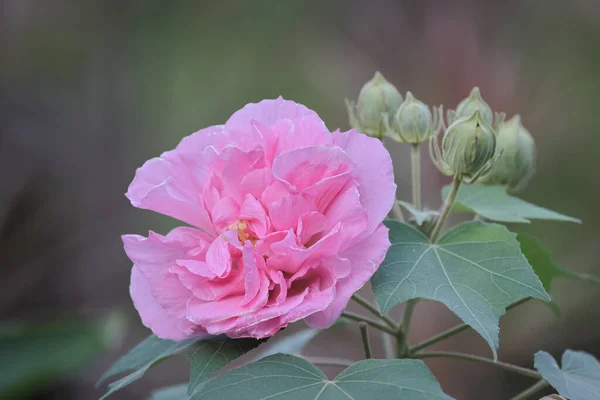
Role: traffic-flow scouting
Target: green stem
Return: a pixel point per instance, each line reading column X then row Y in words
column 397, row 211
column 388, row 345
column 404, row 330
column 580, row 276
column 415, row 158
column 373, row 310
column 446, row 208
column 453, row 331
column 530, row 390
column 469, row 357
column 369, row 321
column 365, row 339
column 330, row 361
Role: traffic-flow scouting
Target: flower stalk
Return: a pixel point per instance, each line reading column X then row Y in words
column 415, row 157
column 446, row 208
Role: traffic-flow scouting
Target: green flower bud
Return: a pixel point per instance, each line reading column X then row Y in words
column 517, row 163
column 468, row 106
column 468, row 145
column 413, row 122
column 376, row 99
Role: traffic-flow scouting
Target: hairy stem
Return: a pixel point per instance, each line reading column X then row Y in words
column 369, row 321
column 530, row 390
column 365, row 339
column 457, row 329
column 330, row 361
column 373, row 310
column 446, row 208
column 415, row 158
column 469, row 357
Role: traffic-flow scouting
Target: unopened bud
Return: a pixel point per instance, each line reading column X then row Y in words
column 413, row 122
column 468, row 106
column 517, row 163
column 468, row 145
column 376, row 99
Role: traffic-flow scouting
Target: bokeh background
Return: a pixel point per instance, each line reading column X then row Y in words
column 89, row 90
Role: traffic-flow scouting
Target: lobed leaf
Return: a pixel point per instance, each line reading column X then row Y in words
column 494, row 203
column 476, row 269
column 579, row 377
column 543, row 265
column 207, row 355
column 293, row 378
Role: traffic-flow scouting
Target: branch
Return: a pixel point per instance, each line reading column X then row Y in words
column 373, row 310
column 530, row 390
column 369, row 321
column 470, row 357
column 365, row 339
column 457, row 329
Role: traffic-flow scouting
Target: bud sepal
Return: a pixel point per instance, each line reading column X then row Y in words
column 468, row 149
column 376, row 99
column 414, row 122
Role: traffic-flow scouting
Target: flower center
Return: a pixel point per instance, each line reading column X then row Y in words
column 243, row 235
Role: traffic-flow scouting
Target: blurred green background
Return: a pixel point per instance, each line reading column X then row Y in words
column 90, row 90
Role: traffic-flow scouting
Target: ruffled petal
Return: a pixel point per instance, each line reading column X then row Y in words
column 167, row 187
column 365, row 257
column 374, row 172
column 162, row 323
column 267, row 112
column 154, row 255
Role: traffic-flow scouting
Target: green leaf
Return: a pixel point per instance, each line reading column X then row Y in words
column 34, row 354
column 293, row 378
column 545, row 268
column 494, row 203
column 175, row 392
column 206, row 355
column 140, row 359
column 539, row 259
column 210, row 355
column 476, row 270
column 420, row 215
column 579, row 377
column 543, row 265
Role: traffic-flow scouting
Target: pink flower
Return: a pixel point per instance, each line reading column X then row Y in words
column 286, row 224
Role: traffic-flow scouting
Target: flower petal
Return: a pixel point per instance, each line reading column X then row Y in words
column 267, row 112
column 374, row 172
column 365, row 257
column 166, row 186
column 162, row 323
column 154, row 255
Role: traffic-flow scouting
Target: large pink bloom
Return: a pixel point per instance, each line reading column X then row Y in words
column 286, row 223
